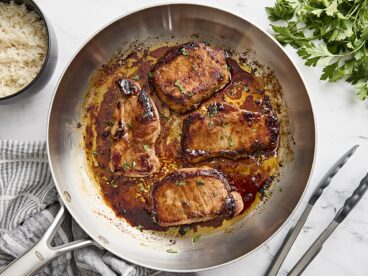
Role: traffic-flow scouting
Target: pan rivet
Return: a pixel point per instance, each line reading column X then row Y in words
column 103, row 239
column 39, row 255
column 67, row 196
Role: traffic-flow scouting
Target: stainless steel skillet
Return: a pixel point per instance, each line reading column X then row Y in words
column 68, row 163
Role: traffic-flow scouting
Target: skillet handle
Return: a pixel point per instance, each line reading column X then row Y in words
column 42, row 252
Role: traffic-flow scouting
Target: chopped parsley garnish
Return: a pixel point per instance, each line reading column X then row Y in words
column 129, row 165
column 113, row 183
column 136, row 77
column 264, row 191
column 245, row 88
column 196, row 35
column 232, row 92
column 166, row 118
column 210, row 124
column 180, row 183
column 150, row 74
column 145, row 147
column 181, row 88
column 109, row 123
column 258, row 153
column 139, row 227
column 200, row 183
column 184, row 52
column 230, row 141
column 212, row 110
column 184, row 230
column 172, row 251
column 94, row 153
column 280, row 189
column 196, row 239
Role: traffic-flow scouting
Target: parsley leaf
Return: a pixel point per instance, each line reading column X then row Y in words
column 196, row 239
column 136, row 77
column 129, row 165
column 328, row 33
column 281, row 11
column 200, row 183
column 184, row 52
column 332, row 72
column 212, row 110
column 196, row 35
column 362, row 88
column 180, row 86
column 180, row 183
column 113, row 183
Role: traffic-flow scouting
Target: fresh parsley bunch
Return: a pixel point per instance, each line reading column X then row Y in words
column 331, row 33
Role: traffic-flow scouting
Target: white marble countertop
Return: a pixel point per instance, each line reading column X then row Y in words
column 342, row 121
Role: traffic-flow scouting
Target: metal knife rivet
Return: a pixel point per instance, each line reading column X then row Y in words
column 67, row 196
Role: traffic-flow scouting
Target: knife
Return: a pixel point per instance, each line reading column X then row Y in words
column 316, row 247
column 294, row 231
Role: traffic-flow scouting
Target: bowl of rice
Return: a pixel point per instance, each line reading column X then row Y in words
column 28, row 50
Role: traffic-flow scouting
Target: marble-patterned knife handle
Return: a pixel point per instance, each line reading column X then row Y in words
column 352, row 200
column 326, row 180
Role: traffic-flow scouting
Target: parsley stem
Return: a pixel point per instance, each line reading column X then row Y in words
column 352, row 52
column 351, row 13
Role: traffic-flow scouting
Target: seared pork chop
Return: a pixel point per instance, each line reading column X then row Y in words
column 194, row 195
column 227, row 131
column 190, row 74
column 135, row 131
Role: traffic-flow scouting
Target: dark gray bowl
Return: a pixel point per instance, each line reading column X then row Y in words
column 48, row 66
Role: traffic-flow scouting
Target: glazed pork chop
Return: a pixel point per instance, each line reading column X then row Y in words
column 190, row 74
column 192, row 195
column 135, row 130
column 227, row 131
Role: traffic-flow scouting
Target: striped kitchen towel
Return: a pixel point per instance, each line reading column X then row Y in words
column 28, row 204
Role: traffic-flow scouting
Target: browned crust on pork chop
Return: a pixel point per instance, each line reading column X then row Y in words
column 135, row 130
column 190, row 74
column 227, row 131
column 193, row 195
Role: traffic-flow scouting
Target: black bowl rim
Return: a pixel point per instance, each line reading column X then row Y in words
column 40, row 13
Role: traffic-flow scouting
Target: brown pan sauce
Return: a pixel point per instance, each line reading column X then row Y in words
column 130, row 197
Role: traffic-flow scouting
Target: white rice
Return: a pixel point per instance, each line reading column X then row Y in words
column 23, row 47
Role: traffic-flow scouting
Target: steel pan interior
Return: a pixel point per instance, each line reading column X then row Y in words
column 67, row 159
